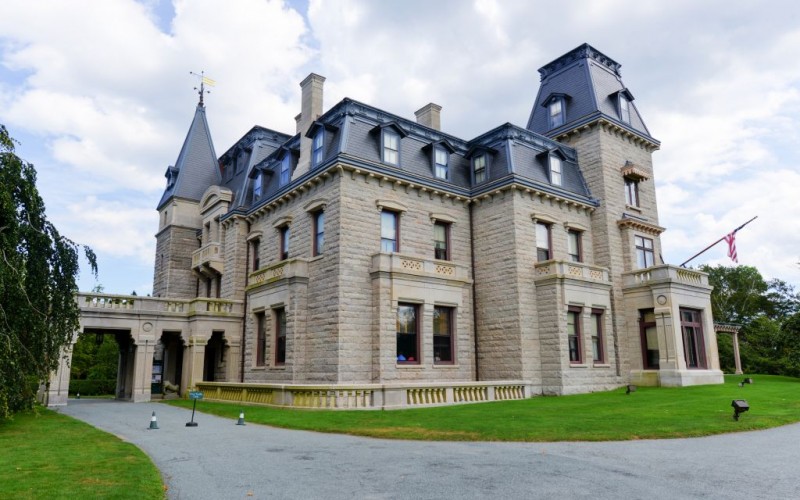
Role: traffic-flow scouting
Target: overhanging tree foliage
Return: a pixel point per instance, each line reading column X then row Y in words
column 38, row 267
column 769, row 315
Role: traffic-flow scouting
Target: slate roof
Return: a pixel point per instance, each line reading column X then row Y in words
column 590, row 82
column 196, row 167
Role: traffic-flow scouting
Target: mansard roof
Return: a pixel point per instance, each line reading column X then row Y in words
column 590, row 84
column 196, row 167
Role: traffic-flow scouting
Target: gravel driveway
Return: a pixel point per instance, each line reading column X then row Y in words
column 220, row 460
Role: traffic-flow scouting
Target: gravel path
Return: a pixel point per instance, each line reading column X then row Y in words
column 220, row 460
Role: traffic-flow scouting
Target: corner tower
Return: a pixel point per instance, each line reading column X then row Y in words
column 179, row 217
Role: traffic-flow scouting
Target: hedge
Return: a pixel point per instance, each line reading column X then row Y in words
column 92, row 387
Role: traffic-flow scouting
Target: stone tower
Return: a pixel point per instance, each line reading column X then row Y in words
column 179, row 211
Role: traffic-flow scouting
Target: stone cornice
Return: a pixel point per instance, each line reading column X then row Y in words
column 642, row 226
column 645, row 142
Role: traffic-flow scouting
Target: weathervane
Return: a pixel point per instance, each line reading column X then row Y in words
column 204, row 80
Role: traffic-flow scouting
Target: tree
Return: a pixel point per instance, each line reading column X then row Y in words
column 38, row 267
column 768, row 313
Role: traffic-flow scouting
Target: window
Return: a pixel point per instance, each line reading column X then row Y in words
column 645, row 257
column 556, row 109
column 596, row 331
column 255, row 246
column 286, row 169
column 479, row 168
column 284, row 243
column 407, row 338
column 694, row 349
column 574, row 335
column 624, row 109
column 649, row 336
column 574, row 246
column 280, row 336
column 316, row 147
column 390, row 231
column 391, row 147
column 631, row 192
column 319, row 232
column 555, row 170
column 441, row 240
column 544, row 242
column 258, row 183
column 261, row 339
column 440, row 159
column 443, row 335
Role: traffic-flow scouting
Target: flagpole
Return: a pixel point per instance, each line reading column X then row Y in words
column 711, row 245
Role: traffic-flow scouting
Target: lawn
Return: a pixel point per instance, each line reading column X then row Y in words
column 47, row 455
column 648, row 413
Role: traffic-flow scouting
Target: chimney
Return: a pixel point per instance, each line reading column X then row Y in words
column 310, row 110
column 430, row 116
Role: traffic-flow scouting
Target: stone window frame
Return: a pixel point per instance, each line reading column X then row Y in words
column 451, row 333
column 398, row 209
column 548, row 228
column 578, row 236
column 643, row 251
column 283, row 226
column 575, row 350
column 261, row 338
column 597, row 336
column 315, row 209
column 280, row 335
column 694, row 340
column 417, row 308
column 644, row 325
column 254, row 242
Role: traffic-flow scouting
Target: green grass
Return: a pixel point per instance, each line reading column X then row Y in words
column 649, row 413
column 47, row 455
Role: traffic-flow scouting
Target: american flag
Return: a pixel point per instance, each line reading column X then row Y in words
column 731, row 241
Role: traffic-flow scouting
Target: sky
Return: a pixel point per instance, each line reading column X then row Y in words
column 100, row 97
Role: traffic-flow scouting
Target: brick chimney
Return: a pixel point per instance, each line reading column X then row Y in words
column 430, row 116
column 310, row 110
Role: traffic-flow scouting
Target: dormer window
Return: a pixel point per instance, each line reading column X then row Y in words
column 555, row 170
column 258, row 183
column 441, row 158
column 479, row 168
column 316, row 147
column 391, row 147
column 556, row 112
column 286, row 169
column 624, row 109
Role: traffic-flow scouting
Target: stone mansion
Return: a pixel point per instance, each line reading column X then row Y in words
column 370, row 260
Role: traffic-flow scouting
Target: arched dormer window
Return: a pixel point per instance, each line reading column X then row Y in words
column 318, row 132
column 556, row 105
column 391, row 134
column 440, row 152
column 480, row 160
column 624, row 99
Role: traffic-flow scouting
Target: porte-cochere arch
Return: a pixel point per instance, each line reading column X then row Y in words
column 173, row 332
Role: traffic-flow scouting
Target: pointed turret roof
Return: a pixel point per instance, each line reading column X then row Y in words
column 196, row 168
column 589, row 83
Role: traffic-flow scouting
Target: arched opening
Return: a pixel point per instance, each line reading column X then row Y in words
column 215, row 358
column 103, row 364
column 168, row 366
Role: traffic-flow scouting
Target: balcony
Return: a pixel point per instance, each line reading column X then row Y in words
column 208, row 260
column 573, row 270
column 664, row 274
column 395, row 263
column 101, row 303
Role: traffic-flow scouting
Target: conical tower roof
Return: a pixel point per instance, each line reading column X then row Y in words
column 196, row 168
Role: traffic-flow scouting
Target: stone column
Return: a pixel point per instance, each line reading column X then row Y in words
column 143, row 369
column 56, row 390
column 193, row 361
column 736, row 358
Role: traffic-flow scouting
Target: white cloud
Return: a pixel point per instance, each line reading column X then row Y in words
column 110, row 98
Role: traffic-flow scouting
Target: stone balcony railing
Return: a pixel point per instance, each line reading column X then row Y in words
column 91, row 302
column 209, row 256
column 285, row 269
column 574, row 270
column 664, row 273
column 429, row 268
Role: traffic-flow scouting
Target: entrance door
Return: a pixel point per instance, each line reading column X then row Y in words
column 649, row 338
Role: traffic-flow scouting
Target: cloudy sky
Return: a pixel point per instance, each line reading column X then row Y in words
column 99, row 95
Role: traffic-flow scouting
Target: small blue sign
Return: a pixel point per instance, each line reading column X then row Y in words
column 195, row 395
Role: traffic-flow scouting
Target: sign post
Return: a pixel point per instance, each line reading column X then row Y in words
column 194, row 396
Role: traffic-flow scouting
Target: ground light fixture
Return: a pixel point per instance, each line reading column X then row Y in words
column 631, row 388
column 739, row 406
column 747, row 380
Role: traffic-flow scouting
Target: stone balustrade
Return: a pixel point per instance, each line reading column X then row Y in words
column 285, row 269
column 89, row 302
column 413, row 265
column 664, row 273
column 364, row 396
column 574, row 270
